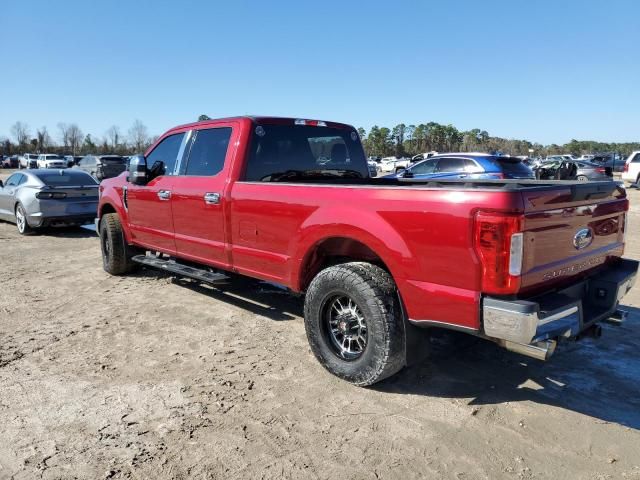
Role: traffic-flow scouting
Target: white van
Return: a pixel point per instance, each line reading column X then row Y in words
column 631, row 172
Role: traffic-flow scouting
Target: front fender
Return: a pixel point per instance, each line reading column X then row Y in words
column 111, row 198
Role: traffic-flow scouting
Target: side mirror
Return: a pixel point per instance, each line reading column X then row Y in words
column 401, row 172
column 138, row 170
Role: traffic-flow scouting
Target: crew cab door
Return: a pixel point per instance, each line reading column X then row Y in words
column 198, row 195
column 149, row 206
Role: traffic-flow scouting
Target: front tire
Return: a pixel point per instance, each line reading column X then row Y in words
column 582, row 178
column 116, row 258
column 354, row 323
column 22, row 223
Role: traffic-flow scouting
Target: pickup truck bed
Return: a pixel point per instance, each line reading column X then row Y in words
column 374, row 257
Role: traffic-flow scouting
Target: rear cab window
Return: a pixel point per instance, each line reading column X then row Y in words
column 297, row 153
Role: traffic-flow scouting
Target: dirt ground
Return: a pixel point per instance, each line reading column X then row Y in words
column 149, row 376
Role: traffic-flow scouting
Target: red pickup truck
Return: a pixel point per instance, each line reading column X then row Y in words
column 290, row 201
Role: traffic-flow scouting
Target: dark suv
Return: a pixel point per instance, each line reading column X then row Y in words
column 103, row 166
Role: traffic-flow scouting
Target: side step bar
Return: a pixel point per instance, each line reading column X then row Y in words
column 180, row 269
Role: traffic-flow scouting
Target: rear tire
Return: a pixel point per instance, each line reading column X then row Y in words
column 22, row 223
column 354, row 323
column 116, row 255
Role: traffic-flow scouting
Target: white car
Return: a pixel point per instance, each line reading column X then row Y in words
column 28, row 160
column 631, row 172
column 51, row 160
column 387, row 164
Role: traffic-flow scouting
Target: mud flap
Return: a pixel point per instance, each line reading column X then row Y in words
column 416, row 341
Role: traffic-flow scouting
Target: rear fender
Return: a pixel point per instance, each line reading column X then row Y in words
column 353, row 224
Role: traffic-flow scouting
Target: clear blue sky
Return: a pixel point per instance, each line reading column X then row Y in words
column 546, row 71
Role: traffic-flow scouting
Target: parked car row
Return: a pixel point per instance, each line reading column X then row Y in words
column 98, row 166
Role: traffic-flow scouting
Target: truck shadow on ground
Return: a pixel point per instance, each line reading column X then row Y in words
column 260, row 298
column 595, row 377
column 599, row 378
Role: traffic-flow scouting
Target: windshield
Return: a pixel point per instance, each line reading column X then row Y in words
column 288, row 153
column 53, row 157
column 65, row 178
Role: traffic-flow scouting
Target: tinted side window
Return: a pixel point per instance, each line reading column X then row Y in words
column 208, row 152
column 167, row 152
column 424, row 168
column 636, row 159
column 450, row 165
column 471, row 167
column 13, row 180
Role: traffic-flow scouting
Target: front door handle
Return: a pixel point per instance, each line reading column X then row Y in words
column 164, row 194
column 211, row 198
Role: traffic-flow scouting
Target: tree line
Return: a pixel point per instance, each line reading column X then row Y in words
column 71, row 140
column 401, row 140
column 408, row 140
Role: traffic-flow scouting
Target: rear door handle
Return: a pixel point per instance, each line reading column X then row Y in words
column 164, row 194
column 211, row 198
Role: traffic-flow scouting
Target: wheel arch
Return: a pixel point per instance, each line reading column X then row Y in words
column 345, row 235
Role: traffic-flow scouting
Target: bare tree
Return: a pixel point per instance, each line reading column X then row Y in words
column 138, row 136
column 75, row 137
column 44, row 139
column 64, row 134
column 113, row 134
column 20, row 132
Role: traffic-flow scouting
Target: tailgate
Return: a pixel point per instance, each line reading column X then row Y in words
column 570, row 229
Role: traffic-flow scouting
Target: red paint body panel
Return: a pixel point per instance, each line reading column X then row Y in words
column 424, row 236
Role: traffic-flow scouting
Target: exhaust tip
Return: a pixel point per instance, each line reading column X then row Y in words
column 539, row 350
column 617, row 318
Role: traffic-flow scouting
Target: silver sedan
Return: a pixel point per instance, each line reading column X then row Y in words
column 47, row 197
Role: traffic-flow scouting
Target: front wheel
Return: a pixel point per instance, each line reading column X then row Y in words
column 354, row 323
column 116, row 258
column 582, row 178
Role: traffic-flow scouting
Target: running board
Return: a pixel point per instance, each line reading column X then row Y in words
column 180, row 269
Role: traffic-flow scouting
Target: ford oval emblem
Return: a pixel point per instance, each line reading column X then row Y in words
column 582, row 238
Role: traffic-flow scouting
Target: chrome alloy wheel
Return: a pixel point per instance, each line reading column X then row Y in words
column 345, row 326
column 21, row 221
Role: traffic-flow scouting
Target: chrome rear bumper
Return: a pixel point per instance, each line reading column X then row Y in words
column 529, row 325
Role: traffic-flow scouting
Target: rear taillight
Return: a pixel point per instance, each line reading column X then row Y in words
column 600, row 170
column 50, row 195
column 498, row 241
column 626, row 167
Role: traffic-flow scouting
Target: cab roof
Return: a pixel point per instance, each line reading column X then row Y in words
column 263, row 120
